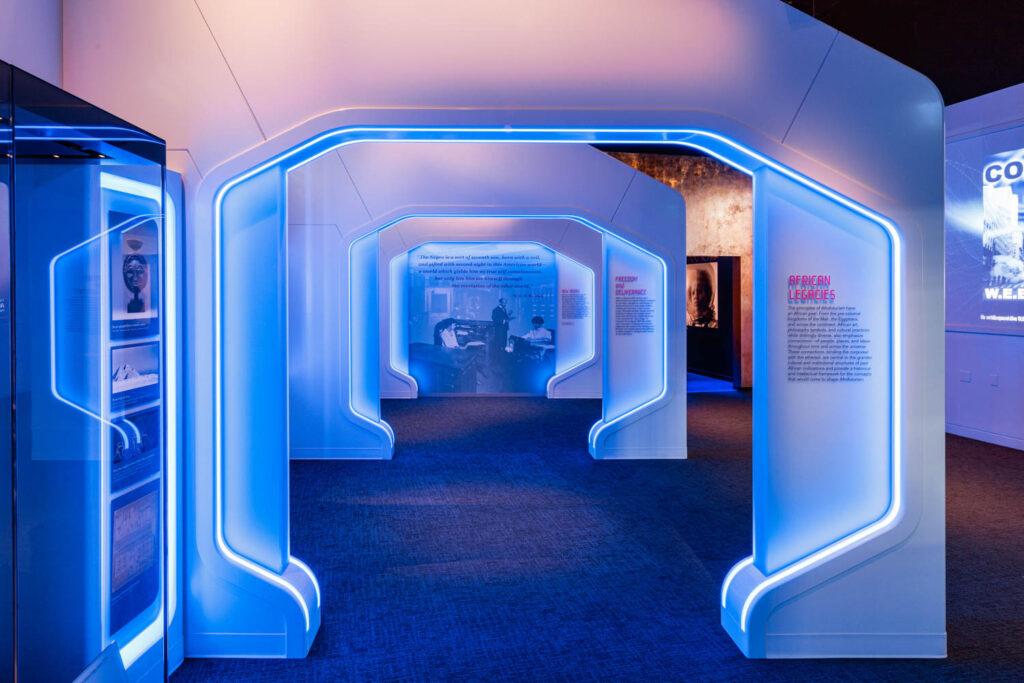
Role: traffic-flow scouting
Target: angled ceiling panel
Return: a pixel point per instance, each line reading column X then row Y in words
column 155, row 64
column 296, row 60
column 395, row 174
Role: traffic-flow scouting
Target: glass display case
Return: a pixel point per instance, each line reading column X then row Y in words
column 83, row 324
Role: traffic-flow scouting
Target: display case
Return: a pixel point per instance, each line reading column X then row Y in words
column 83, row 322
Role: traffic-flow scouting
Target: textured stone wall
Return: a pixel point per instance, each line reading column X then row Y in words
column 719, row 221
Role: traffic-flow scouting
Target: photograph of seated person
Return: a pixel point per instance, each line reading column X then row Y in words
column 452, row 364
column 538, row 335
column 446, row 335
column 537, row 344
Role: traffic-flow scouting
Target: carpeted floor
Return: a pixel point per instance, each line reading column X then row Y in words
column 494, row 548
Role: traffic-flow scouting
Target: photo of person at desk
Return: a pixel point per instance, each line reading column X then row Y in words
column 466, row 358
column 536, row 343
column 454, row 363
column 446, row 336
column 538, row 335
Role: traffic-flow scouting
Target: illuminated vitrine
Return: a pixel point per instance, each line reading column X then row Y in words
column 85, row 317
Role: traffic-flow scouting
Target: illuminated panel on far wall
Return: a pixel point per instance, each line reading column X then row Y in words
column 571, row 350
column 569, row 356
column 718, row 146
column 985, row 233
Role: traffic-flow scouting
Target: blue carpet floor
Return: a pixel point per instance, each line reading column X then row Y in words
column 494, row 548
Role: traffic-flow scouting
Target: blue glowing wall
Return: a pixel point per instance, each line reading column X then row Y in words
column 91, row 475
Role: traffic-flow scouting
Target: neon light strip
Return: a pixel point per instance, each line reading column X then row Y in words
column 226, row 550
column 88, row 138
column 53, row 322
column 105, row 452
column 732, row 575
column 140, row 136
column 309, row 572
column 170, row 294
column 135, row 428
column 688, row 137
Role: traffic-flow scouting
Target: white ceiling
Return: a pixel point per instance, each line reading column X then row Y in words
column 215, row 77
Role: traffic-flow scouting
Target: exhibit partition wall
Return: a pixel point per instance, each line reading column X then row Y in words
column 84, row 310
column 844, row 147
column 847, row 554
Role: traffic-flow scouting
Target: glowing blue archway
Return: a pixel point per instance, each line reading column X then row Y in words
column 236, row 543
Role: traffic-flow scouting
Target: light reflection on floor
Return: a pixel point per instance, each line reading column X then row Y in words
column 702, row 384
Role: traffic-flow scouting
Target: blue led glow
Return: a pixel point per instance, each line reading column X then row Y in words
column 151, row 632
column 60, row 132
column 720, row 147
column 170, row 307
column 375, row 422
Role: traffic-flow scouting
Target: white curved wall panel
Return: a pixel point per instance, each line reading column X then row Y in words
column 395, row 174
column 892, row 116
